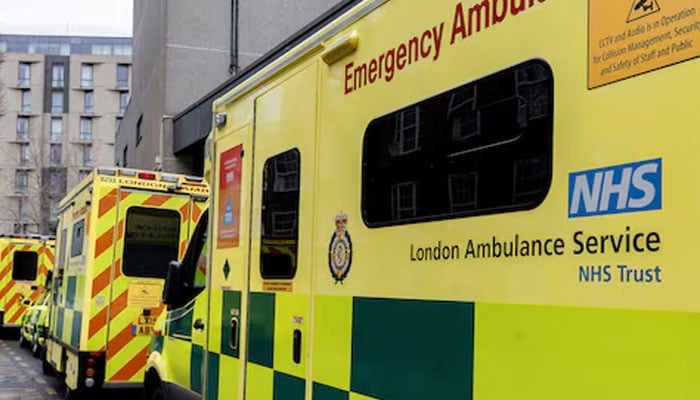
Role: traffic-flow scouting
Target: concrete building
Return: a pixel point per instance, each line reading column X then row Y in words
column 183, row 52
column 61, row 101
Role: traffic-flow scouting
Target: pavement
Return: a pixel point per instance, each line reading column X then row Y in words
column 21, row 377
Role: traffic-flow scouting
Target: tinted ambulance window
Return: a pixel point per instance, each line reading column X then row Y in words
column 280, row 216
column 24, row 265
column 151, row 241
column 76, row 246
column 484, row 147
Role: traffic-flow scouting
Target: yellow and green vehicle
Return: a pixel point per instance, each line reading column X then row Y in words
column 35, row 322
column 479, row 200
column 25, row 263
column 117, row 230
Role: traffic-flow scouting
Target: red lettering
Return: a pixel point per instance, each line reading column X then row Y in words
column 504, row 10
column 348, row 75
column 372, row 71
column 515, row 10
column 390, row 58
column 413, row 49
column 381, row 69
column 476, row 11
column 423, row 39
column 458, row 27
column 401, row 56
column 360, row 74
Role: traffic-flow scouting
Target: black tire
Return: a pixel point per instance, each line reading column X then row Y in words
column 159, row 393
column 154, row 387
column 70, row 394
column 46, row 367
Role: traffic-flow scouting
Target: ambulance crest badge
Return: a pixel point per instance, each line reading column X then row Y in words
column 340, row 249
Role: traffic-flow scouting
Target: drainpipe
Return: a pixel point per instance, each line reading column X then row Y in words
column 159, row 161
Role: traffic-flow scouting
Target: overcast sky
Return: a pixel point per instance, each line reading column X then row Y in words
column 66, row 17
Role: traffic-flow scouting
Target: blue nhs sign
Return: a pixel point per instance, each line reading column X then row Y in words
column 617, row 189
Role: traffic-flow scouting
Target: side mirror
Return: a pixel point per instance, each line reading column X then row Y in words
column 173, row 290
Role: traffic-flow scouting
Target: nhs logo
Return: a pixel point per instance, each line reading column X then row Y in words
column 617, row 189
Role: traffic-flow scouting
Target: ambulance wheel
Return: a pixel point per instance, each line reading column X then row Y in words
column 72, row 394
column 46, row 367
column 154, row 387
column 159, row 393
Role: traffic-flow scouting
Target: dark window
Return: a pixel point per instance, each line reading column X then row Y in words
column 280, row 216
column 55, row 153
column 76, row 246
column 151, row 241
column 125, row 153
column 61, row 258
column 24, row 265
column 484, row 147
column 196, row 256
column 122, row 75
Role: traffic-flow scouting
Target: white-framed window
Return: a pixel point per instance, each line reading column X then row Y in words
column 24, row 74
column 87, row 156
column 284, row 223
column 21, row 180
column 85, row 129
column 22, row 128
column 404, row 200
column 26, row 101
column 89, row 102
column 57, row 102
column 24, row 154
column 123, row 101
column 86, row 71
column 56, row 129
column 57, row 76
column 286, row 173
column 462, row 189
column 407, row 130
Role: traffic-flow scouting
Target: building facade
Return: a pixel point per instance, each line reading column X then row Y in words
column 62, row 99
column 184, row 51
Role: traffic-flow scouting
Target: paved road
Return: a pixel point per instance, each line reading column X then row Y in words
column 21, row 377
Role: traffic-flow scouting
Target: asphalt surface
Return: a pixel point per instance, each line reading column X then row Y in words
column 21, row 377
column 20, row 374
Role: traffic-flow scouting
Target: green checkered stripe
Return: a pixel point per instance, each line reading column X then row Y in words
column 68, row 319
column 401, row 349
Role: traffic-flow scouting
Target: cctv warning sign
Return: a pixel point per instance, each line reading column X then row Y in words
column 630, row 37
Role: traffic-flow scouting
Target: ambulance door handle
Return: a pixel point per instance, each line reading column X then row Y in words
column 296, row 346
column 198, row 324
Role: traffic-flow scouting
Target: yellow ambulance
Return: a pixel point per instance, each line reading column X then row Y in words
column 473, row 199
column 117, row 230
column 25, row 262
